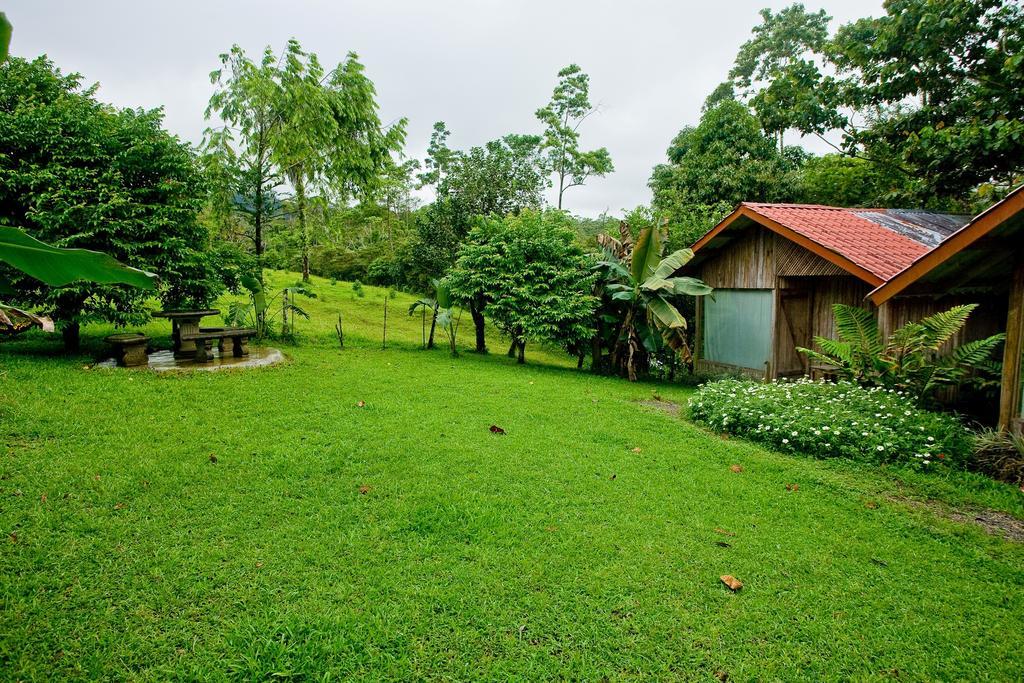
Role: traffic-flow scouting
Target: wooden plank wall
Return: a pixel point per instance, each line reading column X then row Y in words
column 747, row 262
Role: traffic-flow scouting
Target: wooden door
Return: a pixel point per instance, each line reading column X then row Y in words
column 792, row 330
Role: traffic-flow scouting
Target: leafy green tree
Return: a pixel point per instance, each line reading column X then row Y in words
column 500, row 178
column 239, row 152
column 935, row 91
column 726, row 159
column 562, row 117
column 840, row 180
column 78, row 173
column 531, row 275
column 638, row 282
column 5, row 36
column 778, row 71
column 439, row 155
column 318, row 130
column 331, row 138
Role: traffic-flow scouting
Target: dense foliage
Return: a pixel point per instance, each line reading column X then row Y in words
column 78, row 173
column 930, row 91
column 918, row 358
column 639, row 318
column 712, row 167
column 530, row 276
column 288, row 118
column 833, row 420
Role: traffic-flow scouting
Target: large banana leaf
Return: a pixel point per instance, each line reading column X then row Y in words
column 444, row 295
column 665, row 313
column 259, row 297
column 646, row 254
column 58, row 267
column 678, row 286
column 673, row 262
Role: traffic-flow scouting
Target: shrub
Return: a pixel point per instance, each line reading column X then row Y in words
column 833, row 420
column 1000, row 455
column 357, row 287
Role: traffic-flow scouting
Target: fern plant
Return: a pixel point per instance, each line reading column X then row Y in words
column 916, row 358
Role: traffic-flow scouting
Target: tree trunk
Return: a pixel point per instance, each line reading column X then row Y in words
column 433, row 326
column 71, row 334
column 522, row 353
column 478, row 322
column 512, row 349
column 596, row 342
column 300, row 196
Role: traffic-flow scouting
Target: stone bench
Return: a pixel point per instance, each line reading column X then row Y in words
column 129, row 349
column 237, row 337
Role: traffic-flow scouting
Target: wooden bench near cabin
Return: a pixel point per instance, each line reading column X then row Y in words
column 237, row 337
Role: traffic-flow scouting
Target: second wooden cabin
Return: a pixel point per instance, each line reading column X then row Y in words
column 778, row 269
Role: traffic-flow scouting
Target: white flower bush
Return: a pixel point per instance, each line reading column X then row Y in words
column 828, row 419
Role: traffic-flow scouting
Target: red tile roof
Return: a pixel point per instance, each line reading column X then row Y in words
column 849, row 233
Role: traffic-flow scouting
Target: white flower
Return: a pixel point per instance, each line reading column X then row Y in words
column 880, row 448
column 785, row 441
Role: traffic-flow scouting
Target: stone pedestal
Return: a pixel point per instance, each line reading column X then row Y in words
column 129, row 349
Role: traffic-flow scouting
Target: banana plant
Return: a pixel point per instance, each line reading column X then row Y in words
column 447, row 318
column 56, row 267
column 423, row 305
column 260, row 311
column 639, row 283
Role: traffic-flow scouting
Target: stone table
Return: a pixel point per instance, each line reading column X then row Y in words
column 187, row 323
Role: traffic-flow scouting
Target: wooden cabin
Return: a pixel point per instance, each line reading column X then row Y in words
column 984, row 261
column 778, row 269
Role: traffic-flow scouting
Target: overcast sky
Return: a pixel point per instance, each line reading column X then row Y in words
column 483, row 67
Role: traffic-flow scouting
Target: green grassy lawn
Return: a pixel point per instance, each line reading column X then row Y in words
column 404, row 540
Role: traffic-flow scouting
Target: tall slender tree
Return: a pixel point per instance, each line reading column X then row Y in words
column 246, row 100
column 569, row 107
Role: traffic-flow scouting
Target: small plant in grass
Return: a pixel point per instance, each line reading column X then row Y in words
column 260, row 311
column 357, row 287
column 340, row 331
column 842, row 419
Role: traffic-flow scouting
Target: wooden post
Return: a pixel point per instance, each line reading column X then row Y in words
column 1010, row 393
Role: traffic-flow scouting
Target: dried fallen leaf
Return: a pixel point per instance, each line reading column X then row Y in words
column 722, row 676
column 14, row 537
column 361, row 404
column 551, row 528
column 42, row 498
column 96, row 477
column 871, row 505
column 736, row 468
column 120, row 506
column 792, row 487
column 213, row 458
column 636, row 450
column 259, row 565
column 719, row 530
column 364, row 489
column 495, row 429
column 731, row 581
column 613, row 476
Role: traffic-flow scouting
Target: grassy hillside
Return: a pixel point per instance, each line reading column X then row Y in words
column 262, row 523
